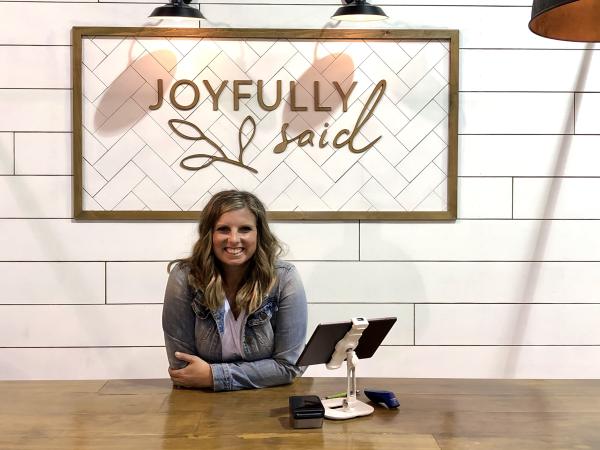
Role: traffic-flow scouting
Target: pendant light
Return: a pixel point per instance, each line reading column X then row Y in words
column 566, row 20
column 359, row 11
column 177, row 9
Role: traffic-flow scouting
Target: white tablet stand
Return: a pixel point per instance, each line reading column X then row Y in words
column 350, row 406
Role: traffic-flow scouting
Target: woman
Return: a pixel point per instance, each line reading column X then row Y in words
column 234, row 316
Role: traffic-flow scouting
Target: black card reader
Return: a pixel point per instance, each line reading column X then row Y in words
column 306, row 411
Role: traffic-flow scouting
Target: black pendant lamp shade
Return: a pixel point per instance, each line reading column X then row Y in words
column 358, row 11
column 566, row 20
column 177, row 9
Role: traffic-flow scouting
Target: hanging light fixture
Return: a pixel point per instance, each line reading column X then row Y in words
column 566, row 20
column 359, row 11
column 177, row 9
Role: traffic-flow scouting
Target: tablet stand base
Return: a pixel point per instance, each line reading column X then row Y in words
column 340, row 409
column 350, row 406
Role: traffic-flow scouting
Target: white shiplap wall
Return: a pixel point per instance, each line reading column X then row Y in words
column 509, row 290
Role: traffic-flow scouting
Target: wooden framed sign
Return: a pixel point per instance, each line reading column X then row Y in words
column 319, row 124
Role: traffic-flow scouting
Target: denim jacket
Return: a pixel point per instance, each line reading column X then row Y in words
column 273, row 335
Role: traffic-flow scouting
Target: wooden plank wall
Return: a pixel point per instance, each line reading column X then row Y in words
column 509, row 290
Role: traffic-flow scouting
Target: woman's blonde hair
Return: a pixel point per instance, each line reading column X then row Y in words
column 204, row 268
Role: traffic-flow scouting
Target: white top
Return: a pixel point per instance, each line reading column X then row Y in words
column 232, row 335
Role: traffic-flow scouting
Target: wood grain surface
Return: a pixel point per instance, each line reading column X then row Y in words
column 435, row 414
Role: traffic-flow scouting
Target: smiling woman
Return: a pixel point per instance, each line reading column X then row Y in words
column 234, row 316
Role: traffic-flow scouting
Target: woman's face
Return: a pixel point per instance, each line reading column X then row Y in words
column 234, row 237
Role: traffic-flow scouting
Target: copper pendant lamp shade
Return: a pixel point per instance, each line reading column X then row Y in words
column 566, row 20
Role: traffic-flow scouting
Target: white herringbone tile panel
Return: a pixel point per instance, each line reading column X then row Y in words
column 123, row 84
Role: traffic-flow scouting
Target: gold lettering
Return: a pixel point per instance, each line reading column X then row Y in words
column 260, row 96
column 322, row 142
column 293, row 105
column 237, row 95
column 317, row 101
column 344, row 95
column 159, row 99
column 305, row 138
column 280, row 148
column 378, row 92
column 336, row 143
column 214, row 95
column 174, row 101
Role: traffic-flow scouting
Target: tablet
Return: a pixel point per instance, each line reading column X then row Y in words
column 321, row 345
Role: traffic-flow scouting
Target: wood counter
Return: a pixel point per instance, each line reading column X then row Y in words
column 434, row 414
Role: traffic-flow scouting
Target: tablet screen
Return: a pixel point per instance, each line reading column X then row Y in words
column 321, row 344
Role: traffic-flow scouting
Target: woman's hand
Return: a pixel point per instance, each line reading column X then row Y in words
column 197, row 374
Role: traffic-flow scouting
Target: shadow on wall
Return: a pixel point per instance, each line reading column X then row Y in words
column 324, row 94
column 150, row 67
column 545, row 227
column 531, row 282
column 7, row 162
